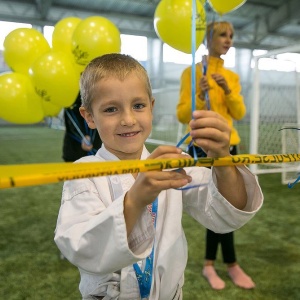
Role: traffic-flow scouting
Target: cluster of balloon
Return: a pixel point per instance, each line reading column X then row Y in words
column 173, row 20
column 44, row 80
column 83, row 40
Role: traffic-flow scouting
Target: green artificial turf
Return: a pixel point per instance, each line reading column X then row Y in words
column 268, row 247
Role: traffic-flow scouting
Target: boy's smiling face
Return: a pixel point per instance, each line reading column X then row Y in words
column 122, row 114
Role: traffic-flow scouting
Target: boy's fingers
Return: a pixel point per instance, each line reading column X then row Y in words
column 166, row 151
column 168, row 175
column 206, row 114
column 208, row 123
column 156, row 181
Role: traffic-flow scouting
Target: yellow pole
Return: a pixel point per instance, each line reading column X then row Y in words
column 36, row 174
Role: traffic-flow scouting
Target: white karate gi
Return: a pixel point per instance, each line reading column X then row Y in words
column 91, row 230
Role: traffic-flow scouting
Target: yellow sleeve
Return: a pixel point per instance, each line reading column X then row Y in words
column 235, row 101
column 184, row 106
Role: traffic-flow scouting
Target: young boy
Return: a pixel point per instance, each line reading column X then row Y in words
column 124, row 232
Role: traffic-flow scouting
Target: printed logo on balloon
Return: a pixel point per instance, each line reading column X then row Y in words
column 62, row 37
column 94, row 36
column 55, row 79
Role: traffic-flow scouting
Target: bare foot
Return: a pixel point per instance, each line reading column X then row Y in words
column 212, row 277
column 240, row 278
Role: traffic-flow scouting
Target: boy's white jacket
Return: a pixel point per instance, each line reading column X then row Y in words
column 91, row 230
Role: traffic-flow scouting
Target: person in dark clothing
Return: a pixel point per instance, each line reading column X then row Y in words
column 79, row 139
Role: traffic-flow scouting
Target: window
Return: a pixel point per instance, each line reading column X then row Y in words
column 178, row 57
column 48, row 31
column 135, row 46
column 172, row 55
column 284, row 62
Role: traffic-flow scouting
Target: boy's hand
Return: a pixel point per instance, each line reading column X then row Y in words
column 211, row 132
column 148, row 185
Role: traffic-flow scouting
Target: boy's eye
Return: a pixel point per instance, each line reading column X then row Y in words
column 110, row 109
column 139, row 106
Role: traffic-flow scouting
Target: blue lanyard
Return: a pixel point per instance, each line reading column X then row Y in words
column 145, row 278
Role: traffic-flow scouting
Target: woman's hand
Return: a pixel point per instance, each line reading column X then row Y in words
column 221, row 81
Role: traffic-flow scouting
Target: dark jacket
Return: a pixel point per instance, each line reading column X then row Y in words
column 72, row 140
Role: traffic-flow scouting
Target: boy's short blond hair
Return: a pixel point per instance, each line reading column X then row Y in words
column 109, row 65
column 217, row 27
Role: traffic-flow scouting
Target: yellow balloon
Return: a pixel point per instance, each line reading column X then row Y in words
column 22, row 47
column 50, row 110
column 95, row 36
column 18, row 101
column 55, row 79
column 225, row 6
column 62, row 38
column 62, row 34
column 173, row 23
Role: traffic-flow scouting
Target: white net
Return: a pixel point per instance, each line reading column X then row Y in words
column 275, row 103
column 167, row 130
column 56, row 122
column 290, row 144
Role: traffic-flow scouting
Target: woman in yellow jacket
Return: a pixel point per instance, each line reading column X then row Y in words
column 222, row 88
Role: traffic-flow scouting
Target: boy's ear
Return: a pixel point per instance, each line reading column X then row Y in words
column 152, row 103
column 88, row 117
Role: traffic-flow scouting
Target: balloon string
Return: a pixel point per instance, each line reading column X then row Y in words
column 291, row 185
column 205, row 64
column 194, row 8
column 182, row 140
column 78, row 129
column 193, row 77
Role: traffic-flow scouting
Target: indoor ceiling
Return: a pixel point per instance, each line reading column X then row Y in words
column 259, row 24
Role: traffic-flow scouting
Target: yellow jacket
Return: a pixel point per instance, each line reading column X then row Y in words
column 231, row 106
